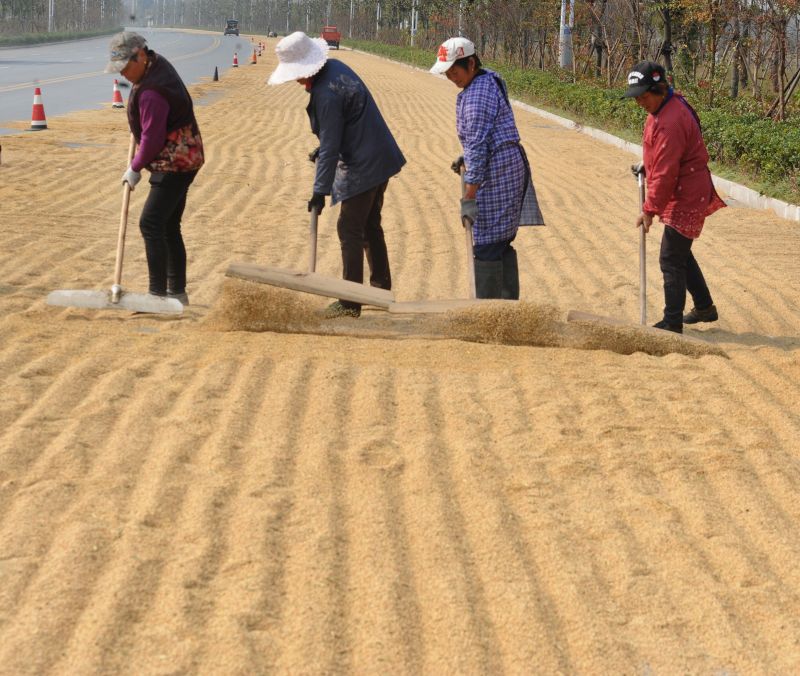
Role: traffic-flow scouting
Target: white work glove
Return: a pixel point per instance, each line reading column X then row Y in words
column 131, row 177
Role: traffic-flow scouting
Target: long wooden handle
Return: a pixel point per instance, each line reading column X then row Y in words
column 123, row 226
column 312, row 249
column 468, row 241
column 642, row 257
column 470, row 249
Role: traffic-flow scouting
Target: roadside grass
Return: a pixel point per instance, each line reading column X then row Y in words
column 42, row 38
column 743, row 145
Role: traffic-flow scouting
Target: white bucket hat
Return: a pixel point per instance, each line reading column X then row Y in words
column 451, row 51
column 298, row 56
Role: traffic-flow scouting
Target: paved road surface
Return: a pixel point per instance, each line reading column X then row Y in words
column 71, row 73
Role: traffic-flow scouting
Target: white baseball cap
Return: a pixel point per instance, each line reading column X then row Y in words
column 451, row 51
column 124, row 46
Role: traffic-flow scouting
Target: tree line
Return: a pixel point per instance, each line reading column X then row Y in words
column 725, row 48
column 58, row 16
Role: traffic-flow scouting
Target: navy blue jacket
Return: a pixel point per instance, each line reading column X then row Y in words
column 357, row 152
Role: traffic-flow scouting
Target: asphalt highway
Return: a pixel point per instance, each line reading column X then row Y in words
column 71, row 75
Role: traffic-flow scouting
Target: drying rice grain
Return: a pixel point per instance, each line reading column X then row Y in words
column 247, row 306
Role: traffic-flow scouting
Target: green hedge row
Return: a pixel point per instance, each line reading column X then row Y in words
column 38, row 38
column 761, row 152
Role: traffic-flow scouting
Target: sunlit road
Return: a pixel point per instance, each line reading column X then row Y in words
column 71, row 73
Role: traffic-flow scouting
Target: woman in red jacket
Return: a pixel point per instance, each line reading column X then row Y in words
column 679, row 192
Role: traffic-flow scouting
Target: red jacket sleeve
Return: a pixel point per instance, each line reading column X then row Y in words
column 663, row 152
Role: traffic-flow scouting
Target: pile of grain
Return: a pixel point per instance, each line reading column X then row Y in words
column 630, row 338
column 544, row 326
column 246, row 306
column 506, row 323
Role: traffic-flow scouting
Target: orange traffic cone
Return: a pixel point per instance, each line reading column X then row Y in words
column 253, row 60
column 116, row 99
column 38, row 120
column 235, row 60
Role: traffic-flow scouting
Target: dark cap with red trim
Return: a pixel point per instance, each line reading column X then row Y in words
column 643, row 77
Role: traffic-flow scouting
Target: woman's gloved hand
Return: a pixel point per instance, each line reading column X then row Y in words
column 131, row 177
column 317, row 202
column 469, row 211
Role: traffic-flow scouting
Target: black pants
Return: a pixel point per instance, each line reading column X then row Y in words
column 160, row 224
column 681, row 273
column 491, row 252
column 360, row 233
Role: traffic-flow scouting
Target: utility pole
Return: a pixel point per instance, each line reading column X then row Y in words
column 460, row 18
column 378, row 19
column 51, row 11
column 308, row 15
column 288, row 10
column 351, row 18
column 414, row 17
column 565, row 35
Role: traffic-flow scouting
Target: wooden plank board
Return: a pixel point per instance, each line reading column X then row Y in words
column 434, row 306
column 312, row 282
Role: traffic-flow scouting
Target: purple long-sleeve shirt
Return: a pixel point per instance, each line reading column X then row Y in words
column 153, row 112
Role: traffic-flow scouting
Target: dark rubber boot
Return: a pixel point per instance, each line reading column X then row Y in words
column 488, row 279
column 510, row 275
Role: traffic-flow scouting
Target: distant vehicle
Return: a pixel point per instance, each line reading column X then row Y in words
column 232, row 27
column 332, row 36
